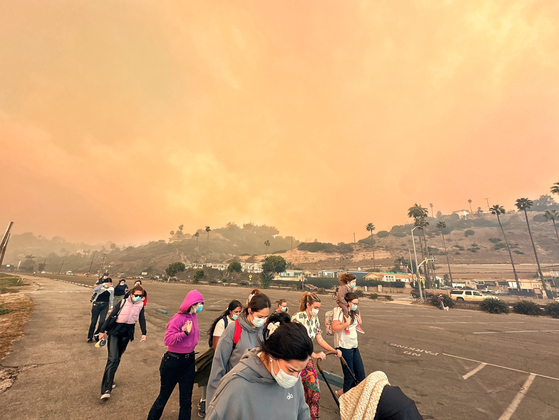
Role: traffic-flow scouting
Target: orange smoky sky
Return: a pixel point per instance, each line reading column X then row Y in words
column 120, row 120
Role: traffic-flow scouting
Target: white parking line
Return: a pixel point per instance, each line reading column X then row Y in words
column 518, row 398
column 467, row 322
column 499, row 366
column 515, row 332
column 473, row 372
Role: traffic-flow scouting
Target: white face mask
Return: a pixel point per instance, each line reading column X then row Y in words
column 258, row 322
column 283, row 379
column 314, row 312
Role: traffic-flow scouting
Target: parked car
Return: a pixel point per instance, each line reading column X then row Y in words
column 469, row 296
column 500, row 292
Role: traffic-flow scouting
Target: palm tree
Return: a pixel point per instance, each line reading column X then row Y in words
column 417, row 211
column 441, row 226
column 524, row 204
column 552, row 215
column 266, row 244
column 470, row 203
column 370, row 228
column 498, row 210
column 197, row 234
column 555, row 188
column 208, row 231
column 431, row 205
column 420, row 214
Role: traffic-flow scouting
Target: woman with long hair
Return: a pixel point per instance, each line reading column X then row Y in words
column 265, row 384
column 127, row 313
column 345, row 339
column 177, row 364
column 239, row 336
column 204, row 362
column 309, row 306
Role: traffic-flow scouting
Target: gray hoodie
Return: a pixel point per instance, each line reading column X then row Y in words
column 225, row 357
column 249, row 392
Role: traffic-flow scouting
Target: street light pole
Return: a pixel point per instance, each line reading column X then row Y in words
column 416, row 266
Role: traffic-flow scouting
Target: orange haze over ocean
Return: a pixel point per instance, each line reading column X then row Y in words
column 120, row 120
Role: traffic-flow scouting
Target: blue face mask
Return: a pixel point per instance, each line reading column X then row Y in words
column 352, row 285
column 199, row 308
column 354, row 307
column 234, row 317
column 136, row 298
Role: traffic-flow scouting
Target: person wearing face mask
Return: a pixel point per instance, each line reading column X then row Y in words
column 102, row 301
column 265, row 383
column 204, row 362
column 127, row 313
column 177, row 364
column 348, row 343
column 230, row 349
column 348, row 282
column 139, row 283
column 120, row 291
column 282, row 307
column 309, row 306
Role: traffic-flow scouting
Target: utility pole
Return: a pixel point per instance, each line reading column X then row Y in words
column 4, row 243
column 488, row 207
column 102, row 266
column 91, row 265
column 62, row 265
column 354, row 238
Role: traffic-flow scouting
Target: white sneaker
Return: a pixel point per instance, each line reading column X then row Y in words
column 106, row 395
column 114, row 385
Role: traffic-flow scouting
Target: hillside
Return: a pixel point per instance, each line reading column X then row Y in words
column 472, row 240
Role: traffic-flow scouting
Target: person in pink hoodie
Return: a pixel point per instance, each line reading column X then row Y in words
column 177, row 365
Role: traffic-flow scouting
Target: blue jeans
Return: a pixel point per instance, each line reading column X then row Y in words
column 355, row 363
column 175, row 368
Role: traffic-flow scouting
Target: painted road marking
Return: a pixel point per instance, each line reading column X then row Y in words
column 499, row 366
column 473, row 372
column 412, row 351
column 467, row 322
column 515, row 332
column 518, row 398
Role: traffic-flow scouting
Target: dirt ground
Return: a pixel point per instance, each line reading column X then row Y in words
column 15, row 310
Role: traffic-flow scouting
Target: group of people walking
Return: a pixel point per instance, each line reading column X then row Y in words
column 260, row 359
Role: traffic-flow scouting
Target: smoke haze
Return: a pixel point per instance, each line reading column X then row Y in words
column 122, row 120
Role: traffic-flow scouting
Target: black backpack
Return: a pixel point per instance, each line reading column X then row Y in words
column 211, row 338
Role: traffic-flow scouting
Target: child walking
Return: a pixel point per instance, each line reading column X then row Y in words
column 347, row 284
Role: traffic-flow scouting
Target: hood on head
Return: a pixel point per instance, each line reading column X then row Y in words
column 192, row 297
column 256, row 371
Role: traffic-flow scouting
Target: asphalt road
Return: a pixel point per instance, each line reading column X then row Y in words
column 456, row 365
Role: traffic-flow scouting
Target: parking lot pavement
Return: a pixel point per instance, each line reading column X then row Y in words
column 456, row 365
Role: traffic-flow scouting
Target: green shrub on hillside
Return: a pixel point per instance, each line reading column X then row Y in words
column 446, row 300
column 527, row 307
column 494, row 306
column 383, row 234
column 552, row 309
column 469, row 232
column 359, row 293
column 373, row 296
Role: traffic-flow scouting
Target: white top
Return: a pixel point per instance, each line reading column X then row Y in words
column 220, row 327
column 342, row 339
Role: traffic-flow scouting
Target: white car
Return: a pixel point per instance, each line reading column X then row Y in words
column 469, row 296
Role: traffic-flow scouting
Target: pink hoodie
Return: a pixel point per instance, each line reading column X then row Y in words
column 176, row 340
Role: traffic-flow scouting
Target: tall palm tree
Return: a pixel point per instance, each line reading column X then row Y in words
column 470, row 203
column 555, row 188
column 370, row 228
column 441, row 226
column 431, row 205
column 420, row 214
column 524, row 204
column 552, row 215
column 266, row 244
column 208, row 229
column 498, row 210
column 197, row 234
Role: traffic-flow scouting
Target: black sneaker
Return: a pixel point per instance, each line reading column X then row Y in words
column 90, row 340
column 202, row 408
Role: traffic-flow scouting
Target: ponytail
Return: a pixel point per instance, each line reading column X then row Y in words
column 307, row 298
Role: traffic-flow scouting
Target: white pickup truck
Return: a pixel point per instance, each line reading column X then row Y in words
column 469, row 296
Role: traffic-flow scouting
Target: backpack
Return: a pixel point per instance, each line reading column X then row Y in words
column 237, row 334
column 328, row 322
column 225, row 322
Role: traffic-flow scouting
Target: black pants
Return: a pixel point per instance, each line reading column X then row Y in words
column 175, row 369
column 98, row 312
column 355, row 363
column 116, row 346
